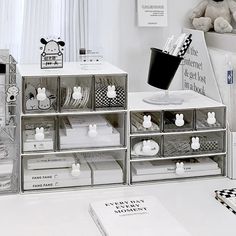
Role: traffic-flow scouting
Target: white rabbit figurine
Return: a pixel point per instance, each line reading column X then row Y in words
column 147, row 122
column 75, row 172
column 179, row 168
column 195, row 143
column 77, row 95
column 39, row 134
column 211, row 120
column 111, row 91
column 146, row 147
column 41, row 94
column 179, row 121
column 92, row 131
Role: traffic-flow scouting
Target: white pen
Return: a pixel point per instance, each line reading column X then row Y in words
column 168, row 44
column 179, row 42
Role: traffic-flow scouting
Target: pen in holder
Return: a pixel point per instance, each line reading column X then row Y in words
column 162, row 69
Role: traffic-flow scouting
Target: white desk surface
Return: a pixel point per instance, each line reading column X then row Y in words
column 191, row 202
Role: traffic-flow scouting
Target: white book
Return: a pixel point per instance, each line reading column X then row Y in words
column 137, row 215
column 56, row 174
column 138, row 178
column 33, row 185
column 169, row 166
column 52, row 161
column 86, row 120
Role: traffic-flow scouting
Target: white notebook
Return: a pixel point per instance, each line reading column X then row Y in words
column 138, row 216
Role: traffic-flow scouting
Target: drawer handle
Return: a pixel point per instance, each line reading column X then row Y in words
column 147, row 122
column 111, row 91
column 179, row 120
column 211, row 120
column 180, row 168
column 41, row 96
column 92, row 133
column 77, row 95
column 39, row 134
column 195, row 143
column 75, row 172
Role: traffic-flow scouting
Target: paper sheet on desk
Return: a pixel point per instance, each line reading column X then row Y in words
column 138, row 215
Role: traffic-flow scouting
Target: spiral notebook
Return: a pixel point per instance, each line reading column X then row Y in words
column 227, row 197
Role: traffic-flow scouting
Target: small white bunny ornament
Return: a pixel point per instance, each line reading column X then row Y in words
column 111, row 91
column 41, row 94
column 211, row 120
column 179, row 121
column 77, row 95
column 39, row 134
column 75, row 172
column 147, row 122
column 179, row 168
column 195, row 143
column 92, row 131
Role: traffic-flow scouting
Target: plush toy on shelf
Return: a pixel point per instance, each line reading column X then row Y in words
column 214, row 14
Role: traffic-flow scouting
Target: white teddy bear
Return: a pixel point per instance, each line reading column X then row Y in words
column 214, row 14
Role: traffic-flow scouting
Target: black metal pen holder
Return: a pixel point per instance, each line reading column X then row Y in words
column 162, row 69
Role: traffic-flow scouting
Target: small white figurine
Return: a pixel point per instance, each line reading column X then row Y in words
column 111, row 91
column 147, row 122
column 211, row 120
column 39, row 134
column 77, row 95
column 12, row 93
column 146, row 148
column 92, row 131
column 75, row 172
column 179, row 168
column 41, row 94
column 195, row 143
column 179, row 121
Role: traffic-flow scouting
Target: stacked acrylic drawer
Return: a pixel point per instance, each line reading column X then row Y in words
column 176, row 141
column 74, row 126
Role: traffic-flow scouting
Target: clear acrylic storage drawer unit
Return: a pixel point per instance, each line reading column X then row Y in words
column 73, row 126
column 176, row 141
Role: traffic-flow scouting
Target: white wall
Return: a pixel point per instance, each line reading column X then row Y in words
column 128, row 46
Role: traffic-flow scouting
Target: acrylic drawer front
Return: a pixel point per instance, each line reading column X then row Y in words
column 146, row 147
column 210, row 118
column 194, row 143
column 175, row 121
column 110, row 92
column 76, row 93
column 172, row 169
column 87, row 131
column 38, row 134
column 145, row 122
column 73, row 170
column 40, row 94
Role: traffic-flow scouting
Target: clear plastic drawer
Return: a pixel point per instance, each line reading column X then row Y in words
column 175, row 121
column 210, row 118
column 142, row 122
column 76, row 93
column 88, row 131
column 172, row 169
column 110, row 92
column 40, row 94
column 146, row 147
column 38, row 134
column 194, row 143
